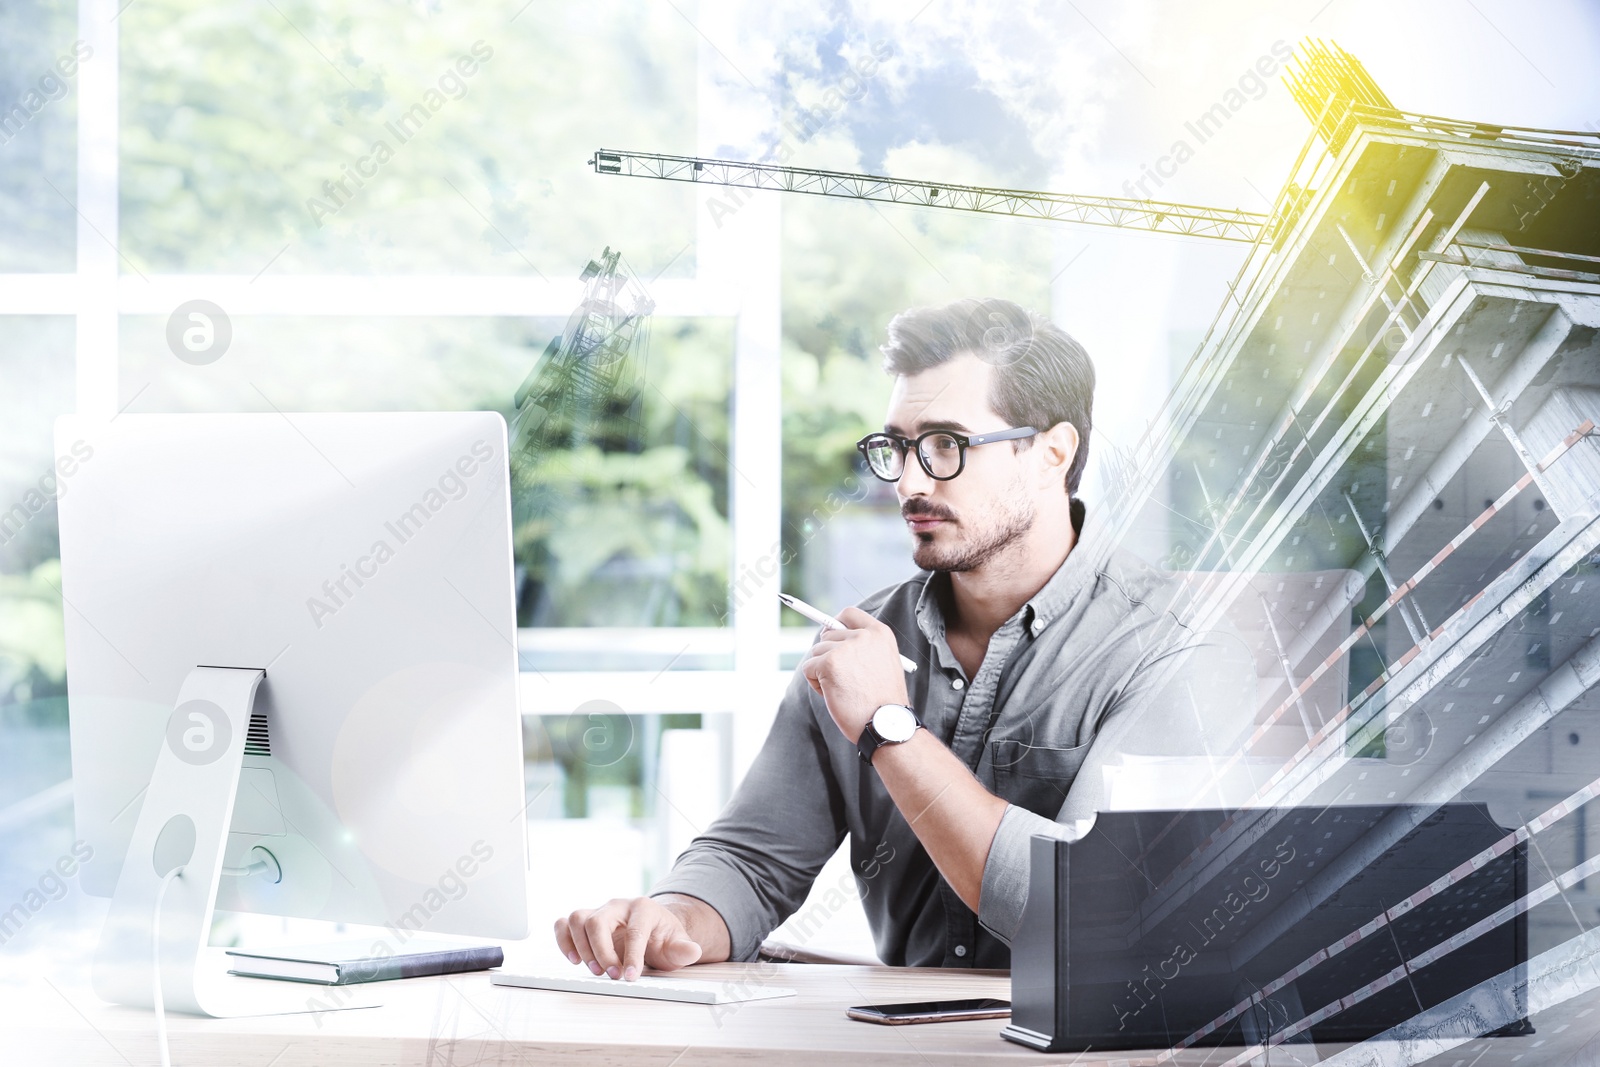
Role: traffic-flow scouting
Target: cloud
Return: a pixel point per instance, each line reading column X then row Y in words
column 947, row 163
column 1047, row 68
column 1046, row 65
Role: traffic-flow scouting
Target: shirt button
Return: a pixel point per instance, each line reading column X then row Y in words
column 1038, row 624
column 961, row 950
column 957, row 683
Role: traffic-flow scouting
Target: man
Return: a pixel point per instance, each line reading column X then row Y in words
column 1045, row 656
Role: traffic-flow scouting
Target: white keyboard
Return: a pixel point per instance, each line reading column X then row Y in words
column 683, row 990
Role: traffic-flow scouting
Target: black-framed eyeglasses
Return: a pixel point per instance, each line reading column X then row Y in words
column 942, row 453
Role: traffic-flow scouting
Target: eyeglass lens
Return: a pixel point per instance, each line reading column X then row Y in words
column 941, row 456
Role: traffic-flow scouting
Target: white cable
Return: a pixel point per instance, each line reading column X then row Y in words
column 247, row 870
column 155, row 955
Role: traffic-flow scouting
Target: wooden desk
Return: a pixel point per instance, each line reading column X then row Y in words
column 462, row 1019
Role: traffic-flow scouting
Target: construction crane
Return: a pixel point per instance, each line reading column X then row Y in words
column 585, row 367
column 1226, row 224
column 582, row 390
column 1330, row 90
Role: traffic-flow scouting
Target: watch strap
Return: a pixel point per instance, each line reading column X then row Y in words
column 871, row 740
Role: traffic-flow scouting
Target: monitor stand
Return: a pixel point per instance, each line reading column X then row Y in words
column 184, row 822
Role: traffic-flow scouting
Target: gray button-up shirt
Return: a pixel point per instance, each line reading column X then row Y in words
column 1092, row 667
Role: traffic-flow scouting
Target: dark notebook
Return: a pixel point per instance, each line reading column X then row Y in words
column 348, row 962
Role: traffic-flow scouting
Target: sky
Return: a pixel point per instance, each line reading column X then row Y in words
column 1081, row 96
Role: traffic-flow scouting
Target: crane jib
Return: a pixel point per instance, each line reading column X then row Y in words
column 1226, row 224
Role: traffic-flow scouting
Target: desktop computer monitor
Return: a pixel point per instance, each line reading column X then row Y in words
column 359, row 566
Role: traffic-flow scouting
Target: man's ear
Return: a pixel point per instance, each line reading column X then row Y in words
column 1059, row 445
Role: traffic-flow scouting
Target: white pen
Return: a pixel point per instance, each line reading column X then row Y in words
column 822, row 618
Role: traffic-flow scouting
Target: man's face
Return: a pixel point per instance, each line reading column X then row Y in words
column 963, row 523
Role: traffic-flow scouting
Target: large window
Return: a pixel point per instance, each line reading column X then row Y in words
column 392, row 208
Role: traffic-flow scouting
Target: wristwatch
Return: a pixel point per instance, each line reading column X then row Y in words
column 892, row 724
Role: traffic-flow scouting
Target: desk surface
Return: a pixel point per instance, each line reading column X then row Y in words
column 456, row 1020
column 462, row 1019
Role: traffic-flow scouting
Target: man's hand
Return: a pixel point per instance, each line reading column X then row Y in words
column 856, row 671
column 622, row 936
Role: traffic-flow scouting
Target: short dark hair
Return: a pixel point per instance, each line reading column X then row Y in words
column 1042, row 376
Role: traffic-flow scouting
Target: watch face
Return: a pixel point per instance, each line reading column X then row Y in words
column 894, row 722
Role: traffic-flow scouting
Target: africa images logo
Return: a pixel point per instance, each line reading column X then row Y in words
column 198, row 732
column 199, row 332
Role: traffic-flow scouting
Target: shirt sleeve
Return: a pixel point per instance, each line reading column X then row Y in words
column 756, row 862
column 1195, row 701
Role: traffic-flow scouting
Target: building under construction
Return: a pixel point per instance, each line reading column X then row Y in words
column 1383, row 464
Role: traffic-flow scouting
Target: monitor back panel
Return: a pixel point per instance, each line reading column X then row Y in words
column 364, row 561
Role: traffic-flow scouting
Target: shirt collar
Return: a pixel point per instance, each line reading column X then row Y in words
column 1041, row 608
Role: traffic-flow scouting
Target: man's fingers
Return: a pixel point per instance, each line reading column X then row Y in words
column 600, row 929
column 857, row 619
column 677, row 951
column 622, row 937
column 811, row 667
column 578, row 929
column 635, row 936
column 564, row 941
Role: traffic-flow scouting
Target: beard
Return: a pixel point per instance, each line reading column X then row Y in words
column 1011, row 523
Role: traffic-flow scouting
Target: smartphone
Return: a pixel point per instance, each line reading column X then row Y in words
column 932, row 1011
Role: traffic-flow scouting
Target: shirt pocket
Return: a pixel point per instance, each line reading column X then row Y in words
column 1035, row 777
